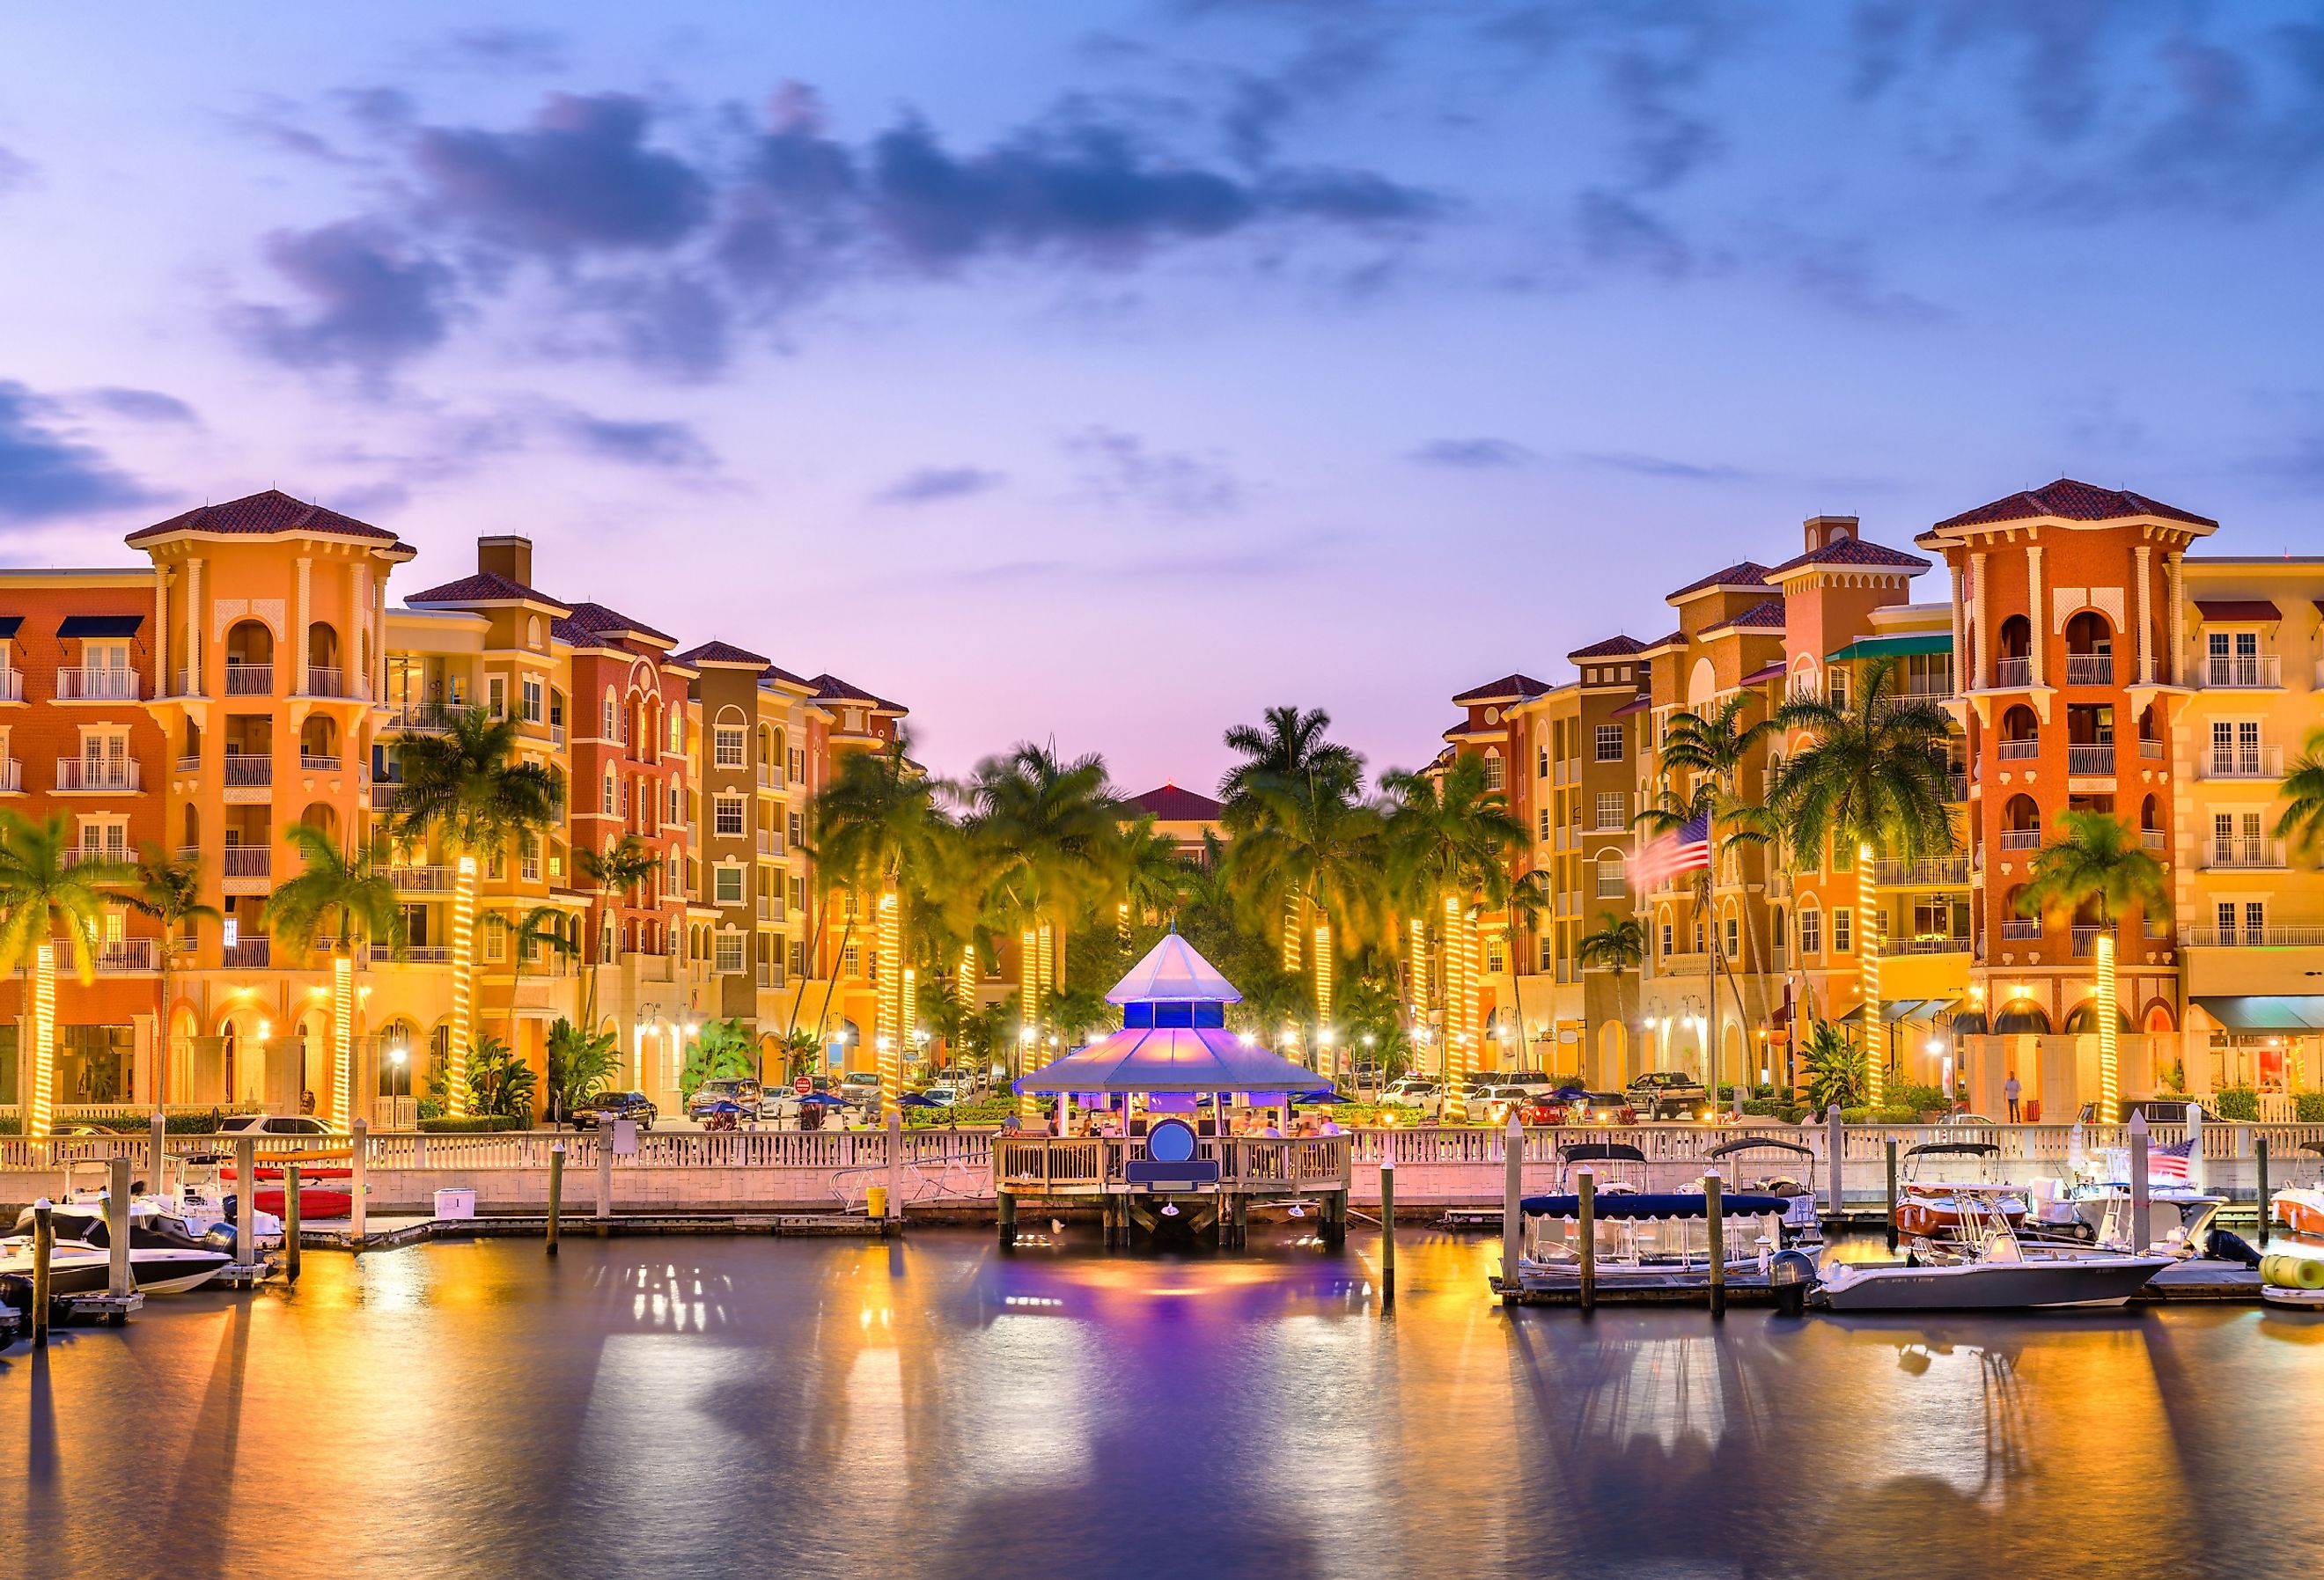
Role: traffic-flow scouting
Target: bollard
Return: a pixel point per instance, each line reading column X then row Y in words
column 895, row 1166
column 2259, row 1162
column 1835, row 1143
column 289, row 1223
column 246, row 1199
column 2138, row 1191
column 1388, row 1228
column 1715, row 1216
column 1890, row 1148
column 556, row 1190
column 1586, row 1182
column 44, row 1245
column 1512, row 1204
column 604, row 1168
column 117, row 1227
column 358, row 1174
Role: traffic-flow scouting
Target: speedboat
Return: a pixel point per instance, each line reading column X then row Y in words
column 77, row 1268
column 187, row 1212
column 1989, row 1268
column 2300, row 1209
column 1940, row 1208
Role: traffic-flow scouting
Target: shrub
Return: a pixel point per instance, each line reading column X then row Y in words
column 2309, row 1107
column 2236, row 1103
column 1837, row 1069
column 1920, row 1099
column 1887, row 1113
column 474, row 1123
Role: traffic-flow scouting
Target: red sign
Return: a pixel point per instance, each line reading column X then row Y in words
column 802, row 1086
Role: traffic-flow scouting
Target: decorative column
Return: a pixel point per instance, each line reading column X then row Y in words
column 193, row 627
column 302, row 607
column 2176, row 673
column 1981, row 625
column 2145, row 623
column 161, row 681
column 378, row 665
column 1961, row 678
column 2037, row 609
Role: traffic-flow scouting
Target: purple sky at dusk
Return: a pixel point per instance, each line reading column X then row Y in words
column 1110, row 372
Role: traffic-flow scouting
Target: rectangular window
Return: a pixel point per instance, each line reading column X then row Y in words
column 496, row 696
column 1611, row 879
column 2254, row 921
column 726, row 885
column 1609, row 742
column 851, row 960
column 611, row 723
column 799, row 893
column 1613, row 808
column 728, row 811
column 797, row 961
column 1542, row 822
column 730, row 952
column 676, row 731
column 1842, row 940
column 798, row 765
column 495, row 940
column 93, row 1063
column 728, row 745
column 1811, row 932
column 1541, row 763
column 531, row 693
column 1837, row 689
column 677, row 800
column 794, row 822
column 1734, row 940
column 1496, row 957
column 1495, row 771
column 1669, row 940
column 610, row 803
column 529, row 852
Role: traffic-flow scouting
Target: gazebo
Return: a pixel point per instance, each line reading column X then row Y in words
column 1172, row 1051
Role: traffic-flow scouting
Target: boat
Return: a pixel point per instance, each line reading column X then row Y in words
column 1987, row 1267
column 77, row 1268
column 1763, row 1175
column 324, row 1192
column 2300, row 1207
column 1611, row 1182
column 1933, row 1207
column 1647, row 1241
column 188, row 1212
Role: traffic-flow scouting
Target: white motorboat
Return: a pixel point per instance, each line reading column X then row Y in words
column 76, row 1267
column 1989, row 1267
column 189, row 1212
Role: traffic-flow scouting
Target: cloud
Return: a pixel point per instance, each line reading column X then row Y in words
column 1662, row 466
column 662, row 446
column 1473, row 454
column 45, row 476
column 1617, row 232
column 579, row 177
column 930, row 484
column 372, row 299
column 15, row 172
column 510, row 50
column 140, row 405
column 1120, row 468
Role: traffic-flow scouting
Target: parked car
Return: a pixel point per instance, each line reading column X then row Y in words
column 1411, row 1092
column 607, row 1106
column 741, row 1090
column 1602, row 1108
column 272, row 1125
column 1670, row 1094
column 1494, row 1105
column 944, row 1095
column 1550, row 1109
column 1540, row 1083
column 860, row 1085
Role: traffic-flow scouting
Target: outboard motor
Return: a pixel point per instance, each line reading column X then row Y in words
column 1791, row 1274
column 220, row 1237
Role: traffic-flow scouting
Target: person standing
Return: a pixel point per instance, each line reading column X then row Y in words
column 2011, row 1090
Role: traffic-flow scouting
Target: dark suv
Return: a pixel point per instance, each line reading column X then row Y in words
column 1668, row 1095
column 741, row 1090
column 607, row 1106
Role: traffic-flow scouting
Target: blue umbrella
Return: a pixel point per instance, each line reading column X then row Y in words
column 822, row 1100
column 1324, row 1094
column 720, row 1106
column 917, row 1100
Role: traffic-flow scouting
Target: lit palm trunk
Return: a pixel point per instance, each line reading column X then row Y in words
column 41, row 1110
column 1416, row 962
column 1457, row 1018
column 2109, row 1067
column 342, row 1107
column 464, row 988
column 1322, row 975
column 966, row 985
column 888, row 991
column 1867, row 957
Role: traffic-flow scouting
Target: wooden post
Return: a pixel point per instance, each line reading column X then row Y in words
column 1716, row 1219
column 1512, row 1199
column 2259, row 1163
column 290, row 1223
column 2138, row 1187
column 556, row 1190
column 1891, row 1149
column 1388, row 1226
column 116, row 1227
column 158, row 1153
column 246, row 1199
column 44, row 1245
column 895, row 1166
column 1836, row 1140
column 604, row 1138
column 1586, row 1183
column 1008, row 1199
column 358, row 1176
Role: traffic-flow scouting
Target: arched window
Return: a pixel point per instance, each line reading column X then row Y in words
column 1810, row 929
column 1496, row 772
column 611, row 806
column 319, row 744
column 613, row 721
column 1613, row 875
column 2016, row 635
column 2021, row 823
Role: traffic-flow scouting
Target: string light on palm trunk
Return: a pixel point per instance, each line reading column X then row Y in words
column 1867, row 955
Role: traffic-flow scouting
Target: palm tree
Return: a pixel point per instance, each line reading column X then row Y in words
column 1314, row 851
column 44, row 887
column 1617, row 943
column 348, row 889
column 580, row 1062
column 539, row 928
column 2097, row 861
column 467, row 788
column 1288, row 748
column 1875, row 777
column 171, row 892
column 2302, row 822
column 1154, row 875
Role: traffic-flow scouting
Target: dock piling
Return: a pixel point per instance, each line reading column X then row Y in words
column 1835, row 1141
column 2138, row 1182
column 604, row 1169
column 291, row 1247
column 246, row 1199
column 1714, row 1217
column 119, row 1282
column 1512, row 1208
column 1586, row 1185
column 1387, row 1230
column 2259, row 1162
column 358, row 1173
column 44, row 1245
column 556, row 1190
column 1892, row 1192
column 896, row 1166
column 1008, row 1200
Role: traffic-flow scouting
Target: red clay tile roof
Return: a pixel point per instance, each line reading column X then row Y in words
column 1173, row 805
column 1675, row 639
column 830, row 688
column 483, row 587
column 1506, row 685
column 1767, row 616
column 588, row 621
column 1851, row 552
column 776, row 672
column 720, row 652
column 260, row 514
column 2074, row 502
column 1613, row 647
column 1743, row 573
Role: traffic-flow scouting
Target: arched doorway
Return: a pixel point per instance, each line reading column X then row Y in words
column 249, row 659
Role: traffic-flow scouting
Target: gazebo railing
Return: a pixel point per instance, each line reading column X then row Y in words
column 1032, row 1163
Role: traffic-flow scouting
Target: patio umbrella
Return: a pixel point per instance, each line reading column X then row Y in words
column 917, row 1100
column 822, row 1100
column 1324, row 1094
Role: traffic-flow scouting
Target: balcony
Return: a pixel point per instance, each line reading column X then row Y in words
column 2253, row 938
column 249, row 769
column 249, row 679
column 2251, row 672
column 1934, row 944
column 2013, row 674
column 12, row 685
column 2154, row 838
column 424, row 879
column 2090, row 669
column 2245, row 763
column 247, row 861
column 2022, row 928
column 82, row 685
column 1935, row 872
column 329, row 681
column 310, row 763
column 2090, row 759
column 12, row 777
column 2018, row 751
column 426, row 716
column 2086, row 940
column 2150, row 751
column 97, row 773
column 2019, row 839
column 119, row 956
column 1956, row 788
column 247, row 954
column 2245, row 854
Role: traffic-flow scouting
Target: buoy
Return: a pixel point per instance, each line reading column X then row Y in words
column 2307, row 1272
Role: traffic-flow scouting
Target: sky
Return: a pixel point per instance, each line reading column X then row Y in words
column 1103, row 373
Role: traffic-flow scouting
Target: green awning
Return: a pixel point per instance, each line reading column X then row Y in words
column 2266, row 1012
column 1894, row 1009
column 1915, row 644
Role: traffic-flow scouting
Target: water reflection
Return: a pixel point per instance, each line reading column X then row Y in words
column 938, row 1407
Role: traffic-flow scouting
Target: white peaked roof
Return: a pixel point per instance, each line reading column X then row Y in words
column 1172, row 973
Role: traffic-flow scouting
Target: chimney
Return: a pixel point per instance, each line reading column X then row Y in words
column 1822, row 530
column 508, row 556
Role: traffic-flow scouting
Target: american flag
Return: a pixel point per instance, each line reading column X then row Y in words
column 1685, row 849
column 2169, row 1162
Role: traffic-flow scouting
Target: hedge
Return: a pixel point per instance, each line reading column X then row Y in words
column 2310, row 1107
column 2236, row 1103
column 475, row 1123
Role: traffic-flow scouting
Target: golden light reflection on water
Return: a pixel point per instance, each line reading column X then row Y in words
column 940, row 1408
